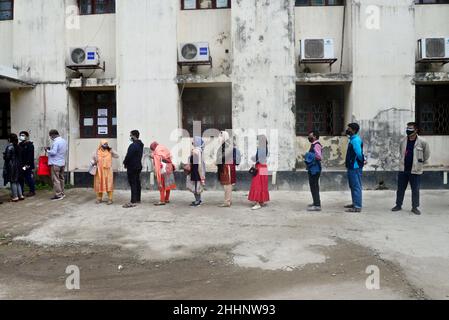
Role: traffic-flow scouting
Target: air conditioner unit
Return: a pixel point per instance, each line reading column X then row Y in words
column 193, row 52
column 84, row 57
column 313, row 49
column 433, row 48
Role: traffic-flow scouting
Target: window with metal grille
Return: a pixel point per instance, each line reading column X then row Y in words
column 96, row 6
column 319, row 107
column 211, row 106
column 205, row 4
column 431, row 1
column 98, row 114
column 432, row 109
column 6, row 9
column 300, row 3
column 5, row 115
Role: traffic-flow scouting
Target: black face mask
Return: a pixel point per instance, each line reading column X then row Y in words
column 348, row 133
column 410, row 132
column 310, row 139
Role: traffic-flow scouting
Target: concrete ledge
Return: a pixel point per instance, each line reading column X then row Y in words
column 431, row 77
column 293, row 181
column 324, row 77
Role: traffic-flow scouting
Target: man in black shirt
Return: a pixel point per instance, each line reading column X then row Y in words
column 133, row 165
column 27, row 163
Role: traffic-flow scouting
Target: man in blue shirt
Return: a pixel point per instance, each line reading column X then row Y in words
column 355, row 161
column 56, row 161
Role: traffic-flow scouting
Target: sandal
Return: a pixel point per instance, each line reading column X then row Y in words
column 110, row 202
column 159, row 204
column 129, row 205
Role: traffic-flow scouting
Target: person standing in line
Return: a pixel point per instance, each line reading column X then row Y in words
column 196, row 179
column 13, row 167
column 104, row 177
column 355, row 160
column 313, row 162
column 57, row 161
column 228, row 157
column 164, row 169
column 258, row 192
column 28, row 163
column 133, row 165
column 414, row 153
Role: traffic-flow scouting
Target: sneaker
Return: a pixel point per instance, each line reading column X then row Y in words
column 310, row 205
column 314, row 208
column 57, row 198
column 257, row 206
column 30, row 194
column 196, row 203
column 416, row 211
column 129, row 205
column 396, row 208
column 349, row 206
column 354, row 210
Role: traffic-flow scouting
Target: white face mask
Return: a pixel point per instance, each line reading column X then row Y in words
column 22, row 138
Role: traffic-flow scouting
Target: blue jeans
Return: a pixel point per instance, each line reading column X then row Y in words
column 29, row 180
column 403, row 179
column 355, row 184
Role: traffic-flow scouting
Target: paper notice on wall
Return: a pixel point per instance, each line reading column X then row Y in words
column 102, row 112
column 88, row 122
column 103, row 130
column 114, row 121
column 222, row 3
column 102, row 121
column 189, row 4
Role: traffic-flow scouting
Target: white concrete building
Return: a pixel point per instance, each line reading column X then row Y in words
column 256, row 81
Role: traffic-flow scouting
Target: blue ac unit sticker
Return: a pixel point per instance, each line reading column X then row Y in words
column 91, row 56
column 203, row 51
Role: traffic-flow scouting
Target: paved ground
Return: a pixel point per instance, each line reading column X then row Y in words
column 178, row 252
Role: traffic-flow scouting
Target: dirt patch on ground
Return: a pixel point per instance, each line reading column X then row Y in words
column 32, row 272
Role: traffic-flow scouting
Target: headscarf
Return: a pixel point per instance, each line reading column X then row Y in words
column 198, row 148
column 225, row 154
column 160, row 153
column 154, row 145
column 104, row 156
column 262, row 150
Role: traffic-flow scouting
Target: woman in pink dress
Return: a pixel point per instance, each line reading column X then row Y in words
column 258, row 192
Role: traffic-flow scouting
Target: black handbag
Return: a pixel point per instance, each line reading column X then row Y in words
column 253, row 171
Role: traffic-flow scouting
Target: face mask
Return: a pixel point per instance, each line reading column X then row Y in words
column 131, row 140
column 348, row 133
column 105, row 146
column 22, row 138
column 310, row 139
column 410, row 132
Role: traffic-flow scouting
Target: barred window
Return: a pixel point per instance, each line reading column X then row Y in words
column 98, row 114
column 319, row 107
column 432, row 109
column 96, row 6
column 431, row 1
column 6, row 9
column 205, row 4
column 304, row 3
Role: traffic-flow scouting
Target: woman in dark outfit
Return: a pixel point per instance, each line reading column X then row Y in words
column 12, row 167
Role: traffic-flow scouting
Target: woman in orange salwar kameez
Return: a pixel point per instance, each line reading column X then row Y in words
column 164, row 170
column 104, row 178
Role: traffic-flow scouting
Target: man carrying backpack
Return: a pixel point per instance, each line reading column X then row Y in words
column 355, row 160
column 313, row 163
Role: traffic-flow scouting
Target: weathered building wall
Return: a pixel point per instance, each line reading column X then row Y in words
column 214, row 27
column 384, row 64
column 263, row 78
column 147, row 94
column 39, row 54
column 6, row 28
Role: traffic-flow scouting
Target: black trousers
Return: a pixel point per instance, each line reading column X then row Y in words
column 314, row 183
column 404, row 178
column 134, row 183
column 27, row 177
